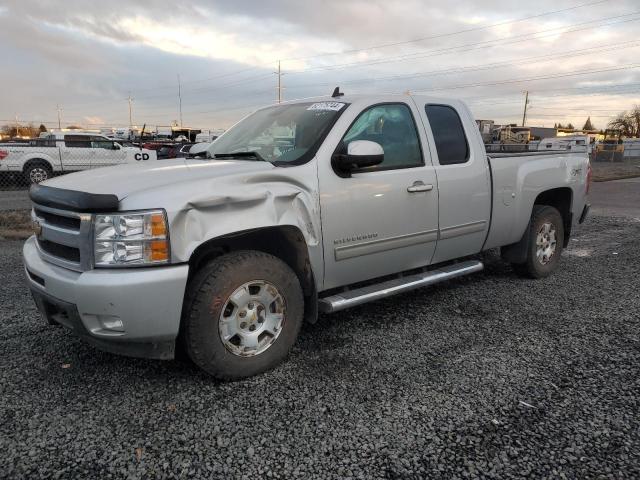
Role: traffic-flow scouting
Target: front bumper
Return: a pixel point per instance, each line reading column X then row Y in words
column 133, row 312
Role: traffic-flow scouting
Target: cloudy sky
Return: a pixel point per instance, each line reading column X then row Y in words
column 576, row 57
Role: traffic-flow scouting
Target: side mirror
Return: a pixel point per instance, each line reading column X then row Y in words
column 116, row 146
column 360, row 154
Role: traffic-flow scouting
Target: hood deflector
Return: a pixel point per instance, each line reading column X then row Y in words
column 73, row 200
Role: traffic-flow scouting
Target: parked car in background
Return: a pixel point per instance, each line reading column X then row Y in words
column 62, row 152
column 156, row 144
column 226, row 256
column 177, row 150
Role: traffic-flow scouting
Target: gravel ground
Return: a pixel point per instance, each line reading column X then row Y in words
column 14, row 200
column 489, row 376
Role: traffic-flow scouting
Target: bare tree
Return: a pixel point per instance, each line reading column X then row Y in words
column 30, row 130
column 628, row 122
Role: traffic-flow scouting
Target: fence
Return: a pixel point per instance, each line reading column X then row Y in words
column 25, row 163
column 632, row 148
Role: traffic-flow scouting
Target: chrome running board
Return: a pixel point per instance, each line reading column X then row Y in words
column 358, row 296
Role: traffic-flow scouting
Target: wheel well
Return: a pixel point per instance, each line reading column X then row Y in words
column 37, row 161
column 285, row 242
column 560, row 199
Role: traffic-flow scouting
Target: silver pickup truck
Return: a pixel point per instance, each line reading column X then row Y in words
column 301, row 207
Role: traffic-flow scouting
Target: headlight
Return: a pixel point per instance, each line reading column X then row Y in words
column 136, row 238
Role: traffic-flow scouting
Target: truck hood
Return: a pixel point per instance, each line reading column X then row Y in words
column 123, row 180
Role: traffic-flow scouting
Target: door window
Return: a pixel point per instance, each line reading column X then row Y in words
column 392, row 126
column 448, row 133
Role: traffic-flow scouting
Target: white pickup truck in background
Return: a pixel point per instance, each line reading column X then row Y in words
column 38, row 160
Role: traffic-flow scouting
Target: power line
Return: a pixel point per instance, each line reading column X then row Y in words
column 202, row 101
column 506, row 63
column 201, row 80
column 606, row 90
column 475, row 45
column 449, row 34
column 375, row 47
column 400, row 59
column 218, row 87
column 246, row 80
column 531, row 79
column 463, row 69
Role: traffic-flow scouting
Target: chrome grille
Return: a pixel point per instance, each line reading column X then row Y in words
column 64, row 238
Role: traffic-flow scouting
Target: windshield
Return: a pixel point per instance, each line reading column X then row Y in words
column 283, row 134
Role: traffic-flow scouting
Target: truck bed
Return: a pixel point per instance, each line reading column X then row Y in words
column 516, row 178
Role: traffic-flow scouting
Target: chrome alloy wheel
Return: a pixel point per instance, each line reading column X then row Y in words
column 546, row 243
column 252, row 318
column 38, row 174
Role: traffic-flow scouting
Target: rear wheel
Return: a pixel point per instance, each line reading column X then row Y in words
column 545, row 242
column 36, row 172
column 242, row 314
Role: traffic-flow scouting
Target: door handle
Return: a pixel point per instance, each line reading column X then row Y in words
column 419, row 187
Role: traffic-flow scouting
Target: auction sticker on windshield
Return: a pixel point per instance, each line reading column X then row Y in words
column 335, row 106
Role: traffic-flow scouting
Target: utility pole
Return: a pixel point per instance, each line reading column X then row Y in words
column 17, row 126
column 130, row 116
column 526, row 102
column 180, row 99
column 279, row 72
column 59, row 114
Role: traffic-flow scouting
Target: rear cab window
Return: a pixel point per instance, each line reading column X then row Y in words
column 451, row 142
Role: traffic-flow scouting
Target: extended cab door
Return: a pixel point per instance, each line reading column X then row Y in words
column 462, row 169
column 382, row 219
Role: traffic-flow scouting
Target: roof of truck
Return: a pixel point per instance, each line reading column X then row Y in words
column 373, row 98
column 348, row 98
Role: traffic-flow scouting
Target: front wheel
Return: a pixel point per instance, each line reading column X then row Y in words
column 242, row 314
column 544, row 244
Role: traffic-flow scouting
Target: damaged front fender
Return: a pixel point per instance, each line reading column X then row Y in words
column 210, row 208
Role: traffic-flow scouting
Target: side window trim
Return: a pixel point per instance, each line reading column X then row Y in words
column 464, row 133
column 383, row 169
